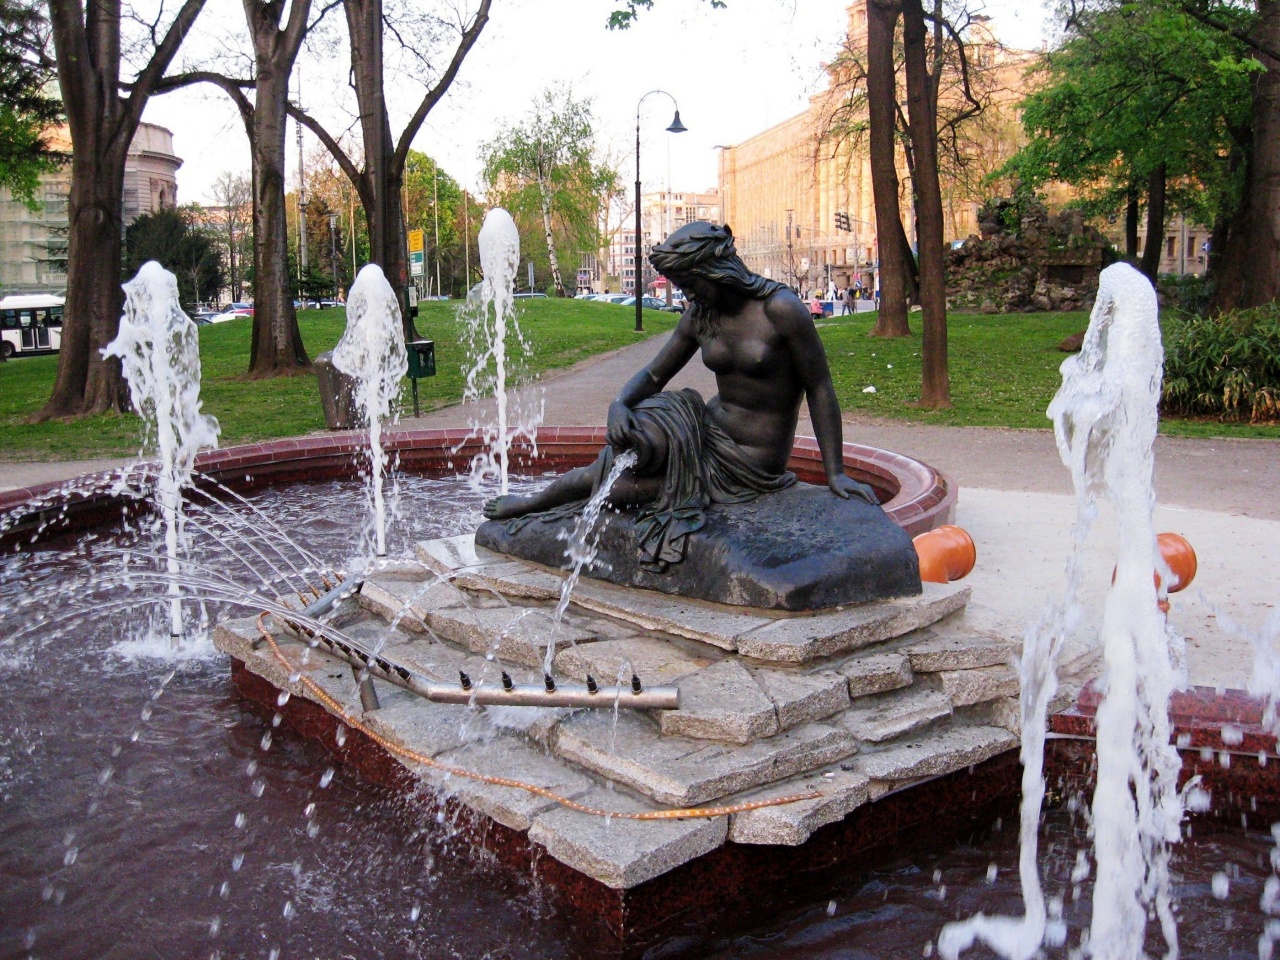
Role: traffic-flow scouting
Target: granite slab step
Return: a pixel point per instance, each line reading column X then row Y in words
column 512, row 634
column 799, row 697
column 978, row 685
column 839, row 792
column 654, row 660
column 476, row 568
column 937, row 754
column 408, row 602
column 876, row 673
column 721, row 702
column 799, row 639
column 623, row 854
column 682, row 772
column 956, row 650
column 883, row 717
column 513, row 760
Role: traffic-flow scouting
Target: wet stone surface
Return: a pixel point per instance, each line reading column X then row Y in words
column 837, row 708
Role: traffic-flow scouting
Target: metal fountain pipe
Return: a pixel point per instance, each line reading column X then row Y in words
column 548, row 694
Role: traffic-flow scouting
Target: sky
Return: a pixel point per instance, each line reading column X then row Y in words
column 734, row 72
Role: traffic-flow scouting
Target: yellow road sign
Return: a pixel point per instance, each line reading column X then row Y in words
column 415, row 241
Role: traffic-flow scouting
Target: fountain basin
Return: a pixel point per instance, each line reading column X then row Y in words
column 916, row 496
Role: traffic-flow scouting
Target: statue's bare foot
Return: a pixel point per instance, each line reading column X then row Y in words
column 504, row 508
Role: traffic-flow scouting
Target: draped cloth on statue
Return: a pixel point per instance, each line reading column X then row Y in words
column 700, row 465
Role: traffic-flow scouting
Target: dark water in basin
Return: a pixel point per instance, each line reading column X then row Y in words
column 181, row 851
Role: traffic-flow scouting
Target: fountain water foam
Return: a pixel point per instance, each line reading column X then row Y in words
column 499, row 243
column 1105, row 417
column 159, row 349
column 372, row 352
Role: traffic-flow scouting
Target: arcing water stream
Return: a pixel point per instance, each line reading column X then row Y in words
column 491, row 322
column 372, row 352
column 160, row 352
column 1105, row 417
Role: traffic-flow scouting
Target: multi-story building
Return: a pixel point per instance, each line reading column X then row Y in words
column 33, row 245
column 661, row 212
column 781, row 190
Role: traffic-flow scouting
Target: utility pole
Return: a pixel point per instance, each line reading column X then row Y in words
column 435, row 208
column 466, row 236
column 302, row 201
column 791, row 260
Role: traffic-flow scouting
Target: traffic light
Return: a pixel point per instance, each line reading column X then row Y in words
column 842, row 221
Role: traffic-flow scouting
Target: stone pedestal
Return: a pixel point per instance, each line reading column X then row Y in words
column 801, row 549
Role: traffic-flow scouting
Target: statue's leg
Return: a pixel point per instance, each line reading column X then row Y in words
column 575, row 485
column 629, row 490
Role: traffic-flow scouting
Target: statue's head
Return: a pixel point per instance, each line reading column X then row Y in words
column 700, row 257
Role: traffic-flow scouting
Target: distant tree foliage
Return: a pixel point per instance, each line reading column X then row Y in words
column 173, row 239
column 1143, row 105
column 543, row 168
column 26, row 112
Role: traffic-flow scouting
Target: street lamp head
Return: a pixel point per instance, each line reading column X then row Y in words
column 676, row 125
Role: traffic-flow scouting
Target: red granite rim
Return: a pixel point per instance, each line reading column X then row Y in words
column 919, row 496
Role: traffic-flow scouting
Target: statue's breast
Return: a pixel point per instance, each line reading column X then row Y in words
column 750, row 358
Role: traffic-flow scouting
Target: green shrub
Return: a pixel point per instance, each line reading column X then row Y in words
column 1228, row 365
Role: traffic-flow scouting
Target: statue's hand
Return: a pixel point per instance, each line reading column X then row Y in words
column 620, row 426
column 845, row 487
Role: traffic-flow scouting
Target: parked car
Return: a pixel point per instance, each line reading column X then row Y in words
column 326, row 304
column 30, row 323
column 650, row 303
column 236, row 306
column 231, row 315
column 529, row 296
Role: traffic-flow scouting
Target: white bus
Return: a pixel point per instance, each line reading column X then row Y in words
column 30, row 323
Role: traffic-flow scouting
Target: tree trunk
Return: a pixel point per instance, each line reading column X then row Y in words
column 551, row 240
column 1131, row 223
column 1246, row 263
column 1155, row 224
column 882, row 15
column 935, row 386
column 277, row 343
column 382, row 177
column 277, row 348
column 87, row 383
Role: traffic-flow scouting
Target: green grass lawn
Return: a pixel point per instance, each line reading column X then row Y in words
column 1004, row 370
column 561, row 332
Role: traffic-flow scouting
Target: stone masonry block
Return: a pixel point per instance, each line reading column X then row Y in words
column 623, row 854
column 838, row 793
column 883, row 717
column 937, row 754
column 956, row 651
column 877, row 673
column 802, row 697
column 721, row 702
column 683, row 772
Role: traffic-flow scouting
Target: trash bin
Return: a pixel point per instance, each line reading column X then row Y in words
column 337, row 392
column 422, row 363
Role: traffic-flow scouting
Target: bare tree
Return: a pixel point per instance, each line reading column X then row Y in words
column 233, row 194
column 380, row 173
column 103, row 113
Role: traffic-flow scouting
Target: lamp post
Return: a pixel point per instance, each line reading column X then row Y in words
column 333, row 251
column 676, row 127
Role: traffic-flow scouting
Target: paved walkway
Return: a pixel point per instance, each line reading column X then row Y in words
column 1223, row 495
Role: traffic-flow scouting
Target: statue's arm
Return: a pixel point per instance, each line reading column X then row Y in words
column 792, row 318
column 671, row 359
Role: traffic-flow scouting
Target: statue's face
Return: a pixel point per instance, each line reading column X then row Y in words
column 701, row 291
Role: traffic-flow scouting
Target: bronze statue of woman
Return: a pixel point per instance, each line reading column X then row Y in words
column 760, row 342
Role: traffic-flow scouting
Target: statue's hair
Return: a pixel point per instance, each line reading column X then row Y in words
column 706, row 251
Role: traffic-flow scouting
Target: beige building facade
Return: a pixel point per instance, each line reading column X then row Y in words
column 33, row 245
column 781, row 190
